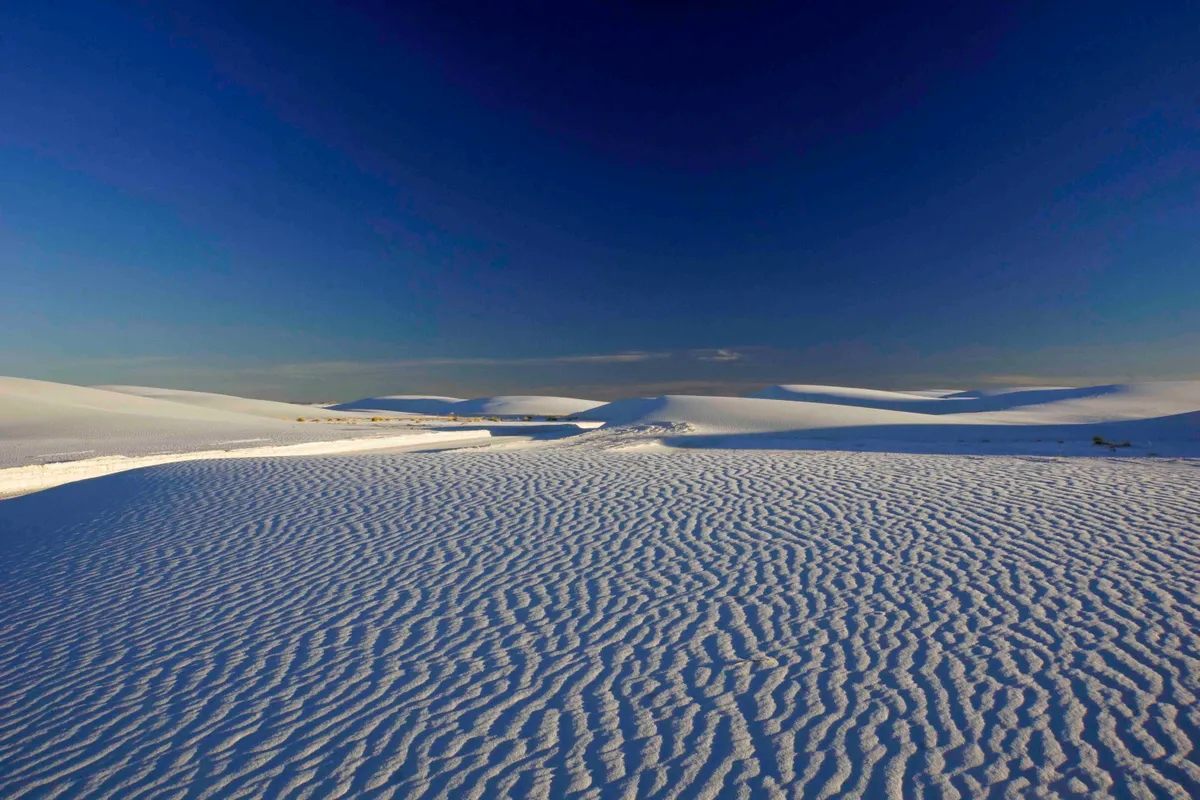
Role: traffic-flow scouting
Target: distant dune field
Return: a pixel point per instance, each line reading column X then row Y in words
column 826, row 592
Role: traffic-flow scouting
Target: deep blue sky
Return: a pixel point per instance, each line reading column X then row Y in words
column 321, row 201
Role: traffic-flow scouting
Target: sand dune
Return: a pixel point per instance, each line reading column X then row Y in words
column 741, row 414
column 401, row 403
column 580, row 621
column 767, row 608
column 848, row 396
column 267, row 409
column 1130, row 401
column 498, row 406
column 54, row 432
column 1042, row 404
column 1160, row 418
column 524, row 405
column 40, row 420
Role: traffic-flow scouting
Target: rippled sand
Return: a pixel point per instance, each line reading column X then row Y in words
column 572, row 620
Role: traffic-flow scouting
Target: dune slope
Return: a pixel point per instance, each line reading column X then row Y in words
column 401, row 403
column 524, row 405
column 267, row 409
column 1158, row 418
column 498, row 406
column 1043, row 404
column 42, row 422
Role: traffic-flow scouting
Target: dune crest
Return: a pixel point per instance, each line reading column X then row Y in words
column 1159, row 418
column 498, row 406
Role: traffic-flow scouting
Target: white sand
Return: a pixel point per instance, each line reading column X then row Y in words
column 267, row 409
column 40, row 420
column 1041, row 405
column 36, row 477
column 524, row 405
column 734, row 615
column 576, row 621
column 1155, row 418
column 402, row 403
column 53, row 433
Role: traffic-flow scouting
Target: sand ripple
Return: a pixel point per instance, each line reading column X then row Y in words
column 571, row 621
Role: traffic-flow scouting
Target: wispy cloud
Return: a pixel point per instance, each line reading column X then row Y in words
column 717, row 354
column 331, row 368
column 608, row 358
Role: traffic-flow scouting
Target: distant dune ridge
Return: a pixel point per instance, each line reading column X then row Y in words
column 1163, row 410
column 402, row 403
column 43, row 420
column 267, row 409
column 499, row 406
column 1047, row 404
column 1163, row 418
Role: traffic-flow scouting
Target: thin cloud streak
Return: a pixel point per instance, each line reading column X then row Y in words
column 332, row 368
column 718, row 354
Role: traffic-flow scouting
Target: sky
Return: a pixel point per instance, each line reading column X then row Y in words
column 322, row 201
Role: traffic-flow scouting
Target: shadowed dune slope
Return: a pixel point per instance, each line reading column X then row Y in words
column 401, row 403
column 1052, row 404
column 525, row 405
column 1160, row 418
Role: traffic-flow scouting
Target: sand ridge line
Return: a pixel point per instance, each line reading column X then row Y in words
column 35, row 477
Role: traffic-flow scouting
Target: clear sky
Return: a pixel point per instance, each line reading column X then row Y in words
column 321, row 201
